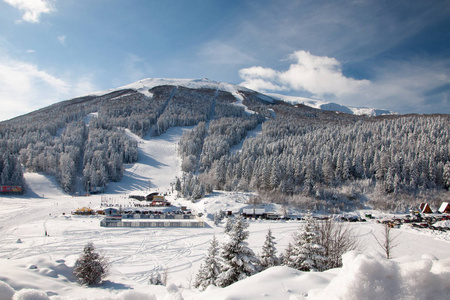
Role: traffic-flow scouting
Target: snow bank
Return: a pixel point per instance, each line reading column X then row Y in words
column 6, row 291
column 274, row 283
column 372, row 277
column 135, row 295
column 443, row 224
column 29, row 294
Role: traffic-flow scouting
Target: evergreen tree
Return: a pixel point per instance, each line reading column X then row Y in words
column 210, row 268
column 268, row 258
column 228, row 225
column 238, row 260
column 287, row 258
column 308, row 254
column 90, row 267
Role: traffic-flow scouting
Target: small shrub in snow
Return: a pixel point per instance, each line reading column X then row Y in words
column 90, row 267
column 337, row 239
column 388, row 241
column 155, row 278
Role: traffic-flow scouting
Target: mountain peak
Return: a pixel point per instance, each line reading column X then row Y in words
column 144, row 85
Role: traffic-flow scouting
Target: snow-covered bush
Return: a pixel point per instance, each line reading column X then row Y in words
column 307, row 253
column 155, row 278
column 91, row 267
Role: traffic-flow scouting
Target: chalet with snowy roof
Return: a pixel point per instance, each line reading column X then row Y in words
column 444, row 208
column 425, row 208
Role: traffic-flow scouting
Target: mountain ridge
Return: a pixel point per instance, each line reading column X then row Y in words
column 299, row 150
column 143, row 85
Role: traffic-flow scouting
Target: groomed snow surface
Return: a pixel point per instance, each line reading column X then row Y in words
column 40, row 241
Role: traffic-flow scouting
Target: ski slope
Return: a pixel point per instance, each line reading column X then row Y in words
column 40, row 241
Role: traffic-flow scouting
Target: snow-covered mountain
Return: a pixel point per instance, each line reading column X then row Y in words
column 143, row 86
column 323, row 105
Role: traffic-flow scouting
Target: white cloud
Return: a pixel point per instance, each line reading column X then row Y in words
column 32, row 8
column 26, row 87
column 318, row 75
column 62, row 39
column 261, row 79
column 416, row 86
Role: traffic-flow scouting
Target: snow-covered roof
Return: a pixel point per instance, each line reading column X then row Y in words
column 444, row 206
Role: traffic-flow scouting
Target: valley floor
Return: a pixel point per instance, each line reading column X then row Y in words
column 40, row 241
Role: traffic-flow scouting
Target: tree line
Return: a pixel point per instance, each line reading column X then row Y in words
column 316, row 246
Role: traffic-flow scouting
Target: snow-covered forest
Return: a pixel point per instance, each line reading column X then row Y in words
column 399, row 155
column 301, row 155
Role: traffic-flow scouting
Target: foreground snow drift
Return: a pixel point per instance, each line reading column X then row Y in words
column 373, row 277
column 361, row 277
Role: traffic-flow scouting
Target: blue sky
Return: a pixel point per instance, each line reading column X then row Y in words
column 383, row 54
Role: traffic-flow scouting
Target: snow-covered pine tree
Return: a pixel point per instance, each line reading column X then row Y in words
column 90, row 267
column 287, row 258
column 218, row 217
column 308, row 254
column 155, row 278
column 210, row 268
column 268, row 258
column 228, row 225
column 238, row 260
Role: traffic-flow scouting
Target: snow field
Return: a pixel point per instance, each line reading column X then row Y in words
column 30, row 259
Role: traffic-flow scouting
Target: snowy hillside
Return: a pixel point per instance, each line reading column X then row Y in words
column 143, row 86
column 332, row 106
column 40, row 241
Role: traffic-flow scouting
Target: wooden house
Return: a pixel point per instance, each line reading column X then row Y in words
column 160, row 201
column 444, row 208
column 425, row 208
